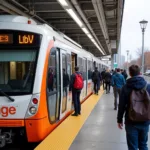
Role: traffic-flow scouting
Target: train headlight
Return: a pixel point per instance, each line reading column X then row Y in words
column 32, row 110
column 33, row 106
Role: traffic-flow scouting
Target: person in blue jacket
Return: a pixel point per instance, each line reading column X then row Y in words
column 136, row 132
column 117, row 82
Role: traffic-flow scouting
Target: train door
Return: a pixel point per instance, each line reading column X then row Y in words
column 86, row 65
column 53, row 85
column 69, row 102
column 85, row 77
column 65, row 75
column 73, row 64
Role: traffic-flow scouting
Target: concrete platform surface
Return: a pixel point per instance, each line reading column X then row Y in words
column 100, row 131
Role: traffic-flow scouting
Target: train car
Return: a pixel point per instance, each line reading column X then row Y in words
column 35, row 62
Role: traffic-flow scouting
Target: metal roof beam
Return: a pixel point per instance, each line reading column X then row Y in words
column 10, row 7
column 26, row 2
column 47, row 7
column 98, row 6
column 54, row 15
column 76, row 5
column 110, row 8
column 63, row 25
column 7, row 10
column 20, row 12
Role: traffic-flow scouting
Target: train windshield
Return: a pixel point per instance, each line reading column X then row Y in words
column 17, row 71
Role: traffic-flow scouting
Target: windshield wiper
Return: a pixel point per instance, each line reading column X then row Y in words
column 10, row 98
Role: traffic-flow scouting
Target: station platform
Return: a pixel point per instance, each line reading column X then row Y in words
column 95, row 129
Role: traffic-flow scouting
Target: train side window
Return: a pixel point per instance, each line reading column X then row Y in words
column 52, row 72
column 84, row 68
column 65, row 82
column 52, row 85
column 80, row 65
column 73, row 61
column 69, row 65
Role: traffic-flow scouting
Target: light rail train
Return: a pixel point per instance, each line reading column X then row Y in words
column 34, row 61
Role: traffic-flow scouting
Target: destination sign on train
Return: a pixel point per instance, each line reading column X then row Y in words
column 6, row 38
column 19, row 39
column 26, row 39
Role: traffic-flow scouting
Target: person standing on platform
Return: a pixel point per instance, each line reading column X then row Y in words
column 107, row 79
column 136, row 92
column 96, row 78
column 117, row 82
column 76, row 85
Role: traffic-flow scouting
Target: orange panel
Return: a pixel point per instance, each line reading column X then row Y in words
column 11, row 123
column 37, row 130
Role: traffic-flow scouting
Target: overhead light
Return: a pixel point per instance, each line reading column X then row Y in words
column 74, row 16
column 85, row 30
column 89, row 35
column 63, row 2
column 93, row 40
column 104, row 59
column 96, row 44
column 99, row 48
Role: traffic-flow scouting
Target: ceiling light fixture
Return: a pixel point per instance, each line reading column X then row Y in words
column 93, row 40
column 79, row 22
column 85, row 30
column 90, row 36
column 74, row 16
column 63, row 2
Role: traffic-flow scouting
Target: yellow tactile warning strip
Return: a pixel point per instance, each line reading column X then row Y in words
column 62, row 137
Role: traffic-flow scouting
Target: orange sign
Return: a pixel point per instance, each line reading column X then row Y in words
column 5, row 111
column 26, row 39
column 4, row 38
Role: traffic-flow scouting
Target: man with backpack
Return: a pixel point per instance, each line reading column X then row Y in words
column 135, row 104
column 76, row 85
column 96, row 78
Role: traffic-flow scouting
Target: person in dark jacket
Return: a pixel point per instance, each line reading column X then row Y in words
column 136, row 132
column 96, row 78
column 107, row 79
column 75, row 93
column 117, row 82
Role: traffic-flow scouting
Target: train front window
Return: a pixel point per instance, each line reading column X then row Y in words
column 17, row 69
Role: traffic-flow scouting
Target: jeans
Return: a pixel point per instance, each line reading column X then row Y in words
column 76, row 101
column 137, row 136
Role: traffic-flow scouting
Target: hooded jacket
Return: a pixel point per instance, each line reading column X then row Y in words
column 137, row 83
column 118, row 80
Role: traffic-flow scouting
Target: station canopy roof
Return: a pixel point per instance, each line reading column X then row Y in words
column 94, row 24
